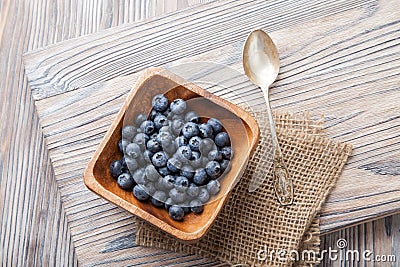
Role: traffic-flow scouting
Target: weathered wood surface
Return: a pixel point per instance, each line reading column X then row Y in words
column 31, row 214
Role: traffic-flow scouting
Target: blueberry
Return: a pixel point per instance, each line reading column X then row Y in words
column 147, row 155
column 200, row 177
column 150, row 188
column 204, row 196
column 206, row 131
column 222, row 139
column 147, row 127
column 176, row 213
column 192, row 116
column 152, row 173
column 215, row 124
column 160, row 121
column 133, row 150
column 164, row 171
column 131, row 164
column 177, row 126
column 116, row 168
column 178, row 106
column 187, row 171
column 170, row 149
column 213, row 187
column 153, row 145
column 194, row 143
column 181, row 141
column 141, row 139
column 196, row 206
column 165, row 128
column 159, row 159
column 182, row 183
column 168, row 182
column 140, row 193
column 213, row 169
column 129, row 132
column 215, row 155
column 168, row 203
column 206, row 145
column 159, row 102
column 123, row 162
column 226, row 152
column 190, row 129
column 174, row 165
column 158, row 198
column 125, row 181
column 164, row 138
column 122, row 145
column 139, row 176
column 177, row 196
column 224, row 165
column 140, row 118
column 193, row 190
column 184, row 153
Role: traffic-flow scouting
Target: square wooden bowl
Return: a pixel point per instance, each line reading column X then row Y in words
column 244, row 139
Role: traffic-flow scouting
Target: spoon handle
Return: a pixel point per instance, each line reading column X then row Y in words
column 283, row 184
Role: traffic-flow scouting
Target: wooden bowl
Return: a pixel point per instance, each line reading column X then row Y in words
column 242, row 128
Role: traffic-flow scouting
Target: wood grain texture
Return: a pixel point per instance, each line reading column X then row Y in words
column 26, row 25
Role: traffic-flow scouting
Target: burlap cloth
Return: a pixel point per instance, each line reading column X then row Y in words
column 252, row 228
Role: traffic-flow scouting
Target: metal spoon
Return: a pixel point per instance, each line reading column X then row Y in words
column 261, row 65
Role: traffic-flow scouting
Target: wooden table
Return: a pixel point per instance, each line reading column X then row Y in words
column 34, row 229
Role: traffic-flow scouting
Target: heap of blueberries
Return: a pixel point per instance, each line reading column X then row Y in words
column 172, row 158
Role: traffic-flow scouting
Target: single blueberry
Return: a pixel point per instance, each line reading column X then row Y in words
column 200, row 177
column 181, row 183
column 122, row 144
column 129, row 132
column 215, row 155
column 184, row 153
column 176, row 213
column 160, row 121
column 159, row 159
column 174, row 165
column 226, row 152
column 153, row 145
column 168, row 182
column 164, row 138
column 159, row 102
column 158, row 198
column 140, row 193
column 225, row 166
column 148, row 127
column 187, row 171
column 141, row 139
column 152, row 173
column 125, row 181
column 190, row 129
column 131, row 164
column 177, row 196
column 213, row 187
column 213, row 169
column 178, row 106
column 215, row 124
column 139, row 176
column 147, row 155
column 170, row 149
column 164, row 171
column 222, row 139
column 177, row 126
column 116, row 168
column 133, row 150
column 206, row 145
column 140, row 118
column 206, row 131
column 196, row 206
column 193, row 190
column 194, row 143
column 204, row 196
column 192, row 116
column 181, row 141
